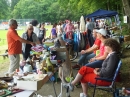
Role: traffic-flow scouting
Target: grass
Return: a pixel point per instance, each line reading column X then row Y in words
column 3, row 34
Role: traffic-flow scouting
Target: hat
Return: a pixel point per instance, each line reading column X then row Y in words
column 102, row 31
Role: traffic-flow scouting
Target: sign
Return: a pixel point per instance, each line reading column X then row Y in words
column 125, row 19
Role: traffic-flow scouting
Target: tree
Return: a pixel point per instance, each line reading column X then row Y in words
column 126, row 6
column 13, row 3
column 4, row 6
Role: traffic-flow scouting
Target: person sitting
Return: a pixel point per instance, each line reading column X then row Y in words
column 96, row 62
column 88, row 74
column 86, row 55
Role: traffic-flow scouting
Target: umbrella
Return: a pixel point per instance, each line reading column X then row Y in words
column 82, row 24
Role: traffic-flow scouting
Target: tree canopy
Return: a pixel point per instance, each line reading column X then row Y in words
column 56, row 10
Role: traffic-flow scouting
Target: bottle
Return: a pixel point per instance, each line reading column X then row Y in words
column 49, row 65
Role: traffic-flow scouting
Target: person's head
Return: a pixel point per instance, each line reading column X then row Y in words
column 101, row 34
column 94, row 32
column 69, row 21
column 42, row 25
column 87, row 19
column 13, row 24
column 54, row 25
column 111, row 45
column 29, row 28
column 34, row 22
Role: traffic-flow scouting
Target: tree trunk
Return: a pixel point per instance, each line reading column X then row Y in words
column 126, row 7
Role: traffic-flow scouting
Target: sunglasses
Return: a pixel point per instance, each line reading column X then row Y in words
column 30, row 29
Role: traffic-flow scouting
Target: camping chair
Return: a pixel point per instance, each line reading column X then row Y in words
column 112, row 86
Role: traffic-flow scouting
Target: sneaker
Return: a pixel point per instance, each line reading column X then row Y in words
column 71, row 87
column 76, row 66
column 82, row 95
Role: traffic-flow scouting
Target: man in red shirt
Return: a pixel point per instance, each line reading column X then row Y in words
column 86, row 55
column 14, row 45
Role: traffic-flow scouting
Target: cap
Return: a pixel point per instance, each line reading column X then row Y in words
column 102, row 31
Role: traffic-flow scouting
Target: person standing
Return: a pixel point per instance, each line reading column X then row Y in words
column 69, row 30
column 53, row 32
column 89, row 29
column 35, row 28
column 30, row 36
column 14, row 42
column 42, row 33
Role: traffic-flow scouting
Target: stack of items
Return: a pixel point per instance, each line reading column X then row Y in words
column 122, row 92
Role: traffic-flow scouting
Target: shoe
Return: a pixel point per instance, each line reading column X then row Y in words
column 71, row 87
column 76, row 66
column 82, row 95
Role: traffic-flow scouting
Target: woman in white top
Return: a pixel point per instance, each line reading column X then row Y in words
column 59, row 29
column 35, row 28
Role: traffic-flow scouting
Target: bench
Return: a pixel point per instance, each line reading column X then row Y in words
column 5, row 55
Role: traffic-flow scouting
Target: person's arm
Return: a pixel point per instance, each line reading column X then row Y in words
column 91, row 49
column 96, row 71
column 35, row 39
column 65, row 28
column 26, row 41
column 111, row 64
column 99, row 57
column 45, row 34
column 86, row 27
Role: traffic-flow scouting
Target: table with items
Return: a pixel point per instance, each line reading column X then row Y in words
column 21, row 85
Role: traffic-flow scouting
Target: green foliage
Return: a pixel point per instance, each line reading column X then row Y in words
column 4, row 5
column 55, row 10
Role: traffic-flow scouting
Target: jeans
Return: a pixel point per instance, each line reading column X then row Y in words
column 84, row 58
column 95, row 64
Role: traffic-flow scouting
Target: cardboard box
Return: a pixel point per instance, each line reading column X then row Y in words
column 33, row 84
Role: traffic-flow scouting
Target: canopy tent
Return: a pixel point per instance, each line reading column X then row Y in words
column 101, row 14
column 107, row 14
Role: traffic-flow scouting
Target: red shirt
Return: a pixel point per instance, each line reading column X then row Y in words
column 97, row 42
column 14, row 45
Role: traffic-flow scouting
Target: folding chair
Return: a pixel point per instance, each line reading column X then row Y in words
column 112, row 86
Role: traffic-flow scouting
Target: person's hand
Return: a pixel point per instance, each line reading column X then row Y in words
column 83, row 52
column 43, row 40
column 32, row 43
column 92, row 60
column 95, row 71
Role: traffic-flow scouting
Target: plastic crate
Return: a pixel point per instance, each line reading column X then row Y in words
column 117, row 93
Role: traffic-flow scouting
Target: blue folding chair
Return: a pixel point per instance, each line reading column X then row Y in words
column 112, row 86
